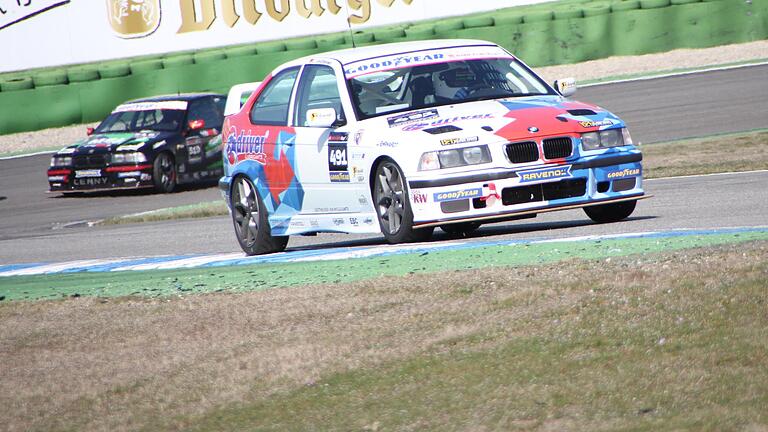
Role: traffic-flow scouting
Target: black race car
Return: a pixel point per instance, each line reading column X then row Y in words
column 154, row 142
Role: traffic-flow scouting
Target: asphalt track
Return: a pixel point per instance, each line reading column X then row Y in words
column 40, row 227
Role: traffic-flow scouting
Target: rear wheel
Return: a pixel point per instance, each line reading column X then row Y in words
column 613, row 212
column 390, row 196
column 249, row 217
column 164, row 173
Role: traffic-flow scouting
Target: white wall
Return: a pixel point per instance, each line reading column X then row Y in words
column 39, row 33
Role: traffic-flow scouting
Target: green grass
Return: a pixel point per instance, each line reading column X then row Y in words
column 199, row 210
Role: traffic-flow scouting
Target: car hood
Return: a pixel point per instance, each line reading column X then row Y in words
column 493, row 120
column 116, row 141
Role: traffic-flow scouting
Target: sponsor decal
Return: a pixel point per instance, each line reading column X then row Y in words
column 464, row 140
column 359, row 136
column 543, row 174
column 419, row 197
column 66, row 151
column 368, row 221
column 357, row 156
column 490, row 195
column 338, row 137
column 446, row 121
column 158, row 144
column 90, row 181
column 314, row 223
column 337, row 157
column 626, row 172
column 362, row 199
column 104, row 141
column 244, row 146
column 391, row 62
column 390, row 144
column 133, row 18
column 88, row 173
column 340, row 177
column 338, row 221
column 331, row 209
column 297, row 224
column 591, row 124
column 131, row 147
column 151, row 106
column 354, row 222
column 458, row 195
column 404, row 119
column 128, row 174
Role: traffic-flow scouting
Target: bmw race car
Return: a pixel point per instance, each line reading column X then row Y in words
column 403, row 138
column 154, row 142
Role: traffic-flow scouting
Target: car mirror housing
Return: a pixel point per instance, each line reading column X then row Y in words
column 321, row 117
column 89, row 131
column 196, row 124
column 565, row 86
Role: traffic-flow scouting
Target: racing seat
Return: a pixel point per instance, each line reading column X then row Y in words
column 421, row 89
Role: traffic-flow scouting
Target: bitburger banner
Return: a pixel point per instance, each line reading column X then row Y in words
column 40, row 33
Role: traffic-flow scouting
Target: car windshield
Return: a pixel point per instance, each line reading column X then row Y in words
column 430, row 85
column 134, row 121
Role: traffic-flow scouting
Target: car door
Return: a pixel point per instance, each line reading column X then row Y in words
column 323, row 151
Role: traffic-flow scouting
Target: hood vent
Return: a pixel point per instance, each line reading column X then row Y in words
column 581, row 112
column 442, row 129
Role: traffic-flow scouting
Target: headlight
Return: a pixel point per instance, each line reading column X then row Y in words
column 605, row 139
column 61, row 161
column 130, row 157
column 454, row 158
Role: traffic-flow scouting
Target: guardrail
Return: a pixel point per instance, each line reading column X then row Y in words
column 568, row 33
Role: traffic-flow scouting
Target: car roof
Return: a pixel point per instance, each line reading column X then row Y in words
column 351, row 55
column 175, row 97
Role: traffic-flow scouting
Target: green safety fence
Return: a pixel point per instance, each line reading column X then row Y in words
column 545, row 34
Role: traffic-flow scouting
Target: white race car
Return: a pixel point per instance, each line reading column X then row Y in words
column 402, row 138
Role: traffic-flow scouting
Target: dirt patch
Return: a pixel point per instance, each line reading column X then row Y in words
column 165, row 362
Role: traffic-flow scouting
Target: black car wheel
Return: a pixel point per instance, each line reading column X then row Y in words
column 164, row 173
column 614, row 212
column 250, row 220
column 390, row 196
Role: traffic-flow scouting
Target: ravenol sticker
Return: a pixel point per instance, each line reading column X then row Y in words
column 150, row 106
column 591, row 124
column 338, row 137
column 626, row 172
column 458, row 195
column 464, row 140
column 545, row 174
column 339, row 176
column 88, row 173
column 417, row 116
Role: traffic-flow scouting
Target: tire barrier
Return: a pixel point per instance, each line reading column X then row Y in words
column 541, row 35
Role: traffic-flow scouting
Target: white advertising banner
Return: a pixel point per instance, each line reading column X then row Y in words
column 40, row 33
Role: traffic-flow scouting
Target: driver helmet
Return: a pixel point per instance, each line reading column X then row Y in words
column 454, row 84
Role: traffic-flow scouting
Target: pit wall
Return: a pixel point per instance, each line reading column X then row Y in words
column 555, row 33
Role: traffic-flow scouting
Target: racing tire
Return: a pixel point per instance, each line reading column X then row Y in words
column 393, row 208
column 164, row 173
column 460, row 229
column 606, row 213
column 250, row 220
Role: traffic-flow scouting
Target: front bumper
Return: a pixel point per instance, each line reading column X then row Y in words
column 62, row 179
column 503, row 194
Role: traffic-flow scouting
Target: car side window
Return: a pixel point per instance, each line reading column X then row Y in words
column 318, row 89
column 207, row 111
column 271, row 107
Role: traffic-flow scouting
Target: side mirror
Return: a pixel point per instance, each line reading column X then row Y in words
column 321, row 117
column 89, row 131
column 196, row 124
column 565, row 86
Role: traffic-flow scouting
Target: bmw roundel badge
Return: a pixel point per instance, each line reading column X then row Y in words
column 533, row 129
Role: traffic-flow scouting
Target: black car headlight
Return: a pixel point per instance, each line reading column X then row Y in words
column 61, row 160
column 454, row 158
column 128, row 157
column 606, row 139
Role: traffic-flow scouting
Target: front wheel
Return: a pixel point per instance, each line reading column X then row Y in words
column 249, row 217
column 164, row 173
column 613, row 212
column 390, row 196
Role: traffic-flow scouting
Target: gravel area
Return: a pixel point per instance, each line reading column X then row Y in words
column 588, row 71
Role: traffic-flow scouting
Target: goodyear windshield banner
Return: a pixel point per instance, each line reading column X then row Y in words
column 41, row 33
